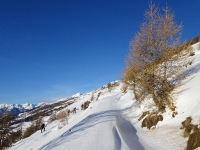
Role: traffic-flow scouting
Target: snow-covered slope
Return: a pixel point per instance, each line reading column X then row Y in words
column 111, row 122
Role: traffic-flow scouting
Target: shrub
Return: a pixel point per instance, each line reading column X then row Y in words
column 98, row 95
column 189, row 129
column 109, row 86
column 194, row 140
column 174, row 114
column 143, row 115
column 52, row 117
column 86, row 104
column 124, row 88
column 186, row 122
column 92, row 97
column 192, row 54
column 151, row 120
column 62, row 116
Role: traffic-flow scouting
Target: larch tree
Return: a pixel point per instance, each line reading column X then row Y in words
column 155, row 57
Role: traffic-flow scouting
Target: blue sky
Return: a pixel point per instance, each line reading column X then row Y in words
column 52, row 49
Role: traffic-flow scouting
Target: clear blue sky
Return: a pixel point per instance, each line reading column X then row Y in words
column 55, row 48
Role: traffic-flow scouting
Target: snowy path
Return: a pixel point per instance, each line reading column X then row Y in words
column 105, row 129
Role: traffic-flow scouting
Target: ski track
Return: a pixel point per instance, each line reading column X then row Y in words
column 94, row 131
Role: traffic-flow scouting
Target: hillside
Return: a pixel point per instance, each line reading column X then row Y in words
column 111, row 122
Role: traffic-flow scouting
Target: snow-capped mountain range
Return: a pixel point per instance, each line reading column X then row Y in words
column 18, row 108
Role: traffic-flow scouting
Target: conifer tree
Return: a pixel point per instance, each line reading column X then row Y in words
column 155, row 57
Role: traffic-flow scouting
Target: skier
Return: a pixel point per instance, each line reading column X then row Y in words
column 74, row 109
column 42, row 127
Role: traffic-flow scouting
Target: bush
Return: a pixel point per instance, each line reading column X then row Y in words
column 98, row 95
column 62, row 116
column 186, row 122
column 194, row 140
column 86, row 105
column 109, row 86
column 124, row 88
column 143, row 115
column 192, row 54
column 92, row 97
column 189, row 129
column 52, row 117
column 151, row 120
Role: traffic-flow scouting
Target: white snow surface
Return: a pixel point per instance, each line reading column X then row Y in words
column 111, row 123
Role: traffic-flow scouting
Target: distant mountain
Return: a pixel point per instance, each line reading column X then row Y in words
column 18, row 108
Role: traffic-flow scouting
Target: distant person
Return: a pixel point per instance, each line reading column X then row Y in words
column 82, row 107
column 74, row 109
column 42, row 127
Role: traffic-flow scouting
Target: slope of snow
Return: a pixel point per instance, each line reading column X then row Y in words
column 111, row 123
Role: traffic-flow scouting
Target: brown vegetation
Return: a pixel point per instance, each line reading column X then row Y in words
column 62, row 116
column 194, row 140
column 174, row 114
column 86, row 105
column 191, row 131
column 186, row 122
column 98, row 95
column 143, row 115
column 5, row 130
column 156, row 58
column 151, row 120
column 124, row 88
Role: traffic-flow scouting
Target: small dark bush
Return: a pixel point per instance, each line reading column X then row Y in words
column 192, row 53
column 86, row 105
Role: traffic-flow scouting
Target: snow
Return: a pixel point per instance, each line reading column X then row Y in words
column 76, row 95
column 111, row 122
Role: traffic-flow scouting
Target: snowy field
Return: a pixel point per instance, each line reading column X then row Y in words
column 111, row 123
